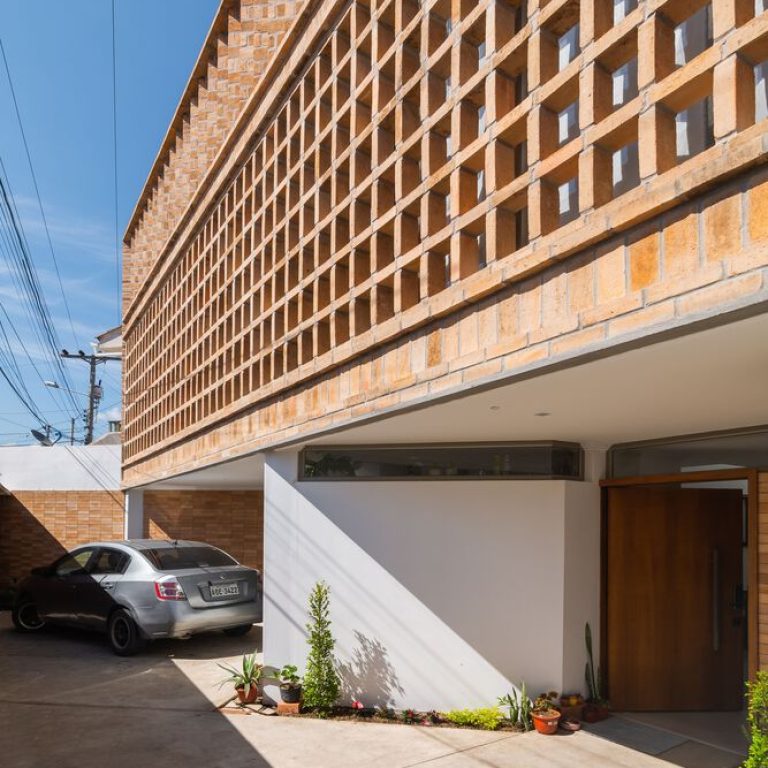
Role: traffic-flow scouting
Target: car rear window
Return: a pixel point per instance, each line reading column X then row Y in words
column 173, row 558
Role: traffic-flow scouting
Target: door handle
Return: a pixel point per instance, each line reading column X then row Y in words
column 715, row 600
column 109, row 585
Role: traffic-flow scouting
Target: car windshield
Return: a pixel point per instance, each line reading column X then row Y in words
column 173, row 558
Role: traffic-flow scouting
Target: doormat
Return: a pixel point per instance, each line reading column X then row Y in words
column 639, row 737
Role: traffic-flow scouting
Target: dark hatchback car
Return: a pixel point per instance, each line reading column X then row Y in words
column 142, row 589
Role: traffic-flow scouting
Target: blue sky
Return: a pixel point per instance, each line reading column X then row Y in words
column 60, row 57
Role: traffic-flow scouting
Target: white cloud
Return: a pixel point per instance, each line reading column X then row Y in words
column 111, row 414
column 67, row 230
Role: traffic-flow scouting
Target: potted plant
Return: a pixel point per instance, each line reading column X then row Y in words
column 596, row 708
column 545, row 715
column 290, row 684
column 245, row 680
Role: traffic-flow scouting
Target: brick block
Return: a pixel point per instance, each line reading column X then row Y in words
column 644, row 261
column 611, row 274
column 733, row 94
column 722, row 228
column 757, row 198
column 681, row 244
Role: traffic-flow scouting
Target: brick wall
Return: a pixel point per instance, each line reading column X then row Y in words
column 339, row 255
column 230, row 520
column 705, row 258
column 36, row 527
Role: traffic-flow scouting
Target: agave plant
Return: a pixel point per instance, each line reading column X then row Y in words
column 519, row 706
column 244, row 678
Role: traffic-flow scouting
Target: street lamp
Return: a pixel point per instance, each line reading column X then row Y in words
column 96, row 397
column 56, row 385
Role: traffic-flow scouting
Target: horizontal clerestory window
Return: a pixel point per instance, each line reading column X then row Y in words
column 475, row 461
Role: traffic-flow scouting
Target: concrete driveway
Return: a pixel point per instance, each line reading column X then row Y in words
column 67, row 701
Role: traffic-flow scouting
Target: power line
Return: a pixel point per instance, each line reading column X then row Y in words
column 37, row 192
column 114, row 159
column 54, row 394
column 22, row 399
column 26, row 279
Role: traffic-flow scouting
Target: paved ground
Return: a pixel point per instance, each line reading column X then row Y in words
column 67, row 701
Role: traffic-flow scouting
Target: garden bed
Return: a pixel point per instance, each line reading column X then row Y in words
column 369, row 715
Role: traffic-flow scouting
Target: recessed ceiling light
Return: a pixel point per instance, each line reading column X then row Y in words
column 542, row 413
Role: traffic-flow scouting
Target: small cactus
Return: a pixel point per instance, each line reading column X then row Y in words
column 594, row 680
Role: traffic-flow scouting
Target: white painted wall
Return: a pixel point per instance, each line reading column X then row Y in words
column 443, row 593
column 60, row 468
column 133, row 523
column 582, row 580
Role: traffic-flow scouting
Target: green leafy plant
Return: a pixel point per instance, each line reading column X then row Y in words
column 246, row 677
column 545, row 704
column 594, row 680
column 289, row 676
column 321, row 681
column 487, row 718
column 757, row 720
column 511, row 702
column 519, row 707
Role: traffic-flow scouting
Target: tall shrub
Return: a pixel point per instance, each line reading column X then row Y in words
column 757, row 718
column 321, row 682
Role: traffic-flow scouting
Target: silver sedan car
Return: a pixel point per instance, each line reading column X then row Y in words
column 142, row 589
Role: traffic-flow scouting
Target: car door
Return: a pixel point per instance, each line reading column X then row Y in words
column 94, row 593
column 57, row 595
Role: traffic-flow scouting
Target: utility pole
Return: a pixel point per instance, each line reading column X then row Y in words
column 72, row 431
column 94, row 389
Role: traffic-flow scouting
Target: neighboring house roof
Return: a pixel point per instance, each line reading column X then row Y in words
column 110, row 342
column 60, row 468
column 108, row 438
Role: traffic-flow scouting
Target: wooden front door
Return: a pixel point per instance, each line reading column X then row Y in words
column 674, row 625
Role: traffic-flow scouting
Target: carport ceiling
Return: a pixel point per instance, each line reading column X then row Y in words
column 711, row 380
column 246, row 474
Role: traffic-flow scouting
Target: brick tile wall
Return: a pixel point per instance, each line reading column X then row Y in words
column 36, row 527
column 669, row 271
column 231, row 520
column 370, row 187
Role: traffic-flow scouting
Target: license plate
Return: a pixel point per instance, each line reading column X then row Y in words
column 224, row 590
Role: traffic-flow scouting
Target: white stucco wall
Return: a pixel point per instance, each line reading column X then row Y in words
column 444, row 593
column 60, row 468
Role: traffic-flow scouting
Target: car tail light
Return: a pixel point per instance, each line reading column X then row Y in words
column 169, row 589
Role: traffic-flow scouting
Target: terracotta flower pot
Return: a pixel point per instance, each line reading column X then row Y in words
column 251, row 696
column 546, row 723
column 594, row 713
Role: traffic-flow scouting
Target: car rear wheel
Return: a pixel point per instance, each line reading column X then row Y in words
column 124, row 634
column 243, row 629
column 26, row 618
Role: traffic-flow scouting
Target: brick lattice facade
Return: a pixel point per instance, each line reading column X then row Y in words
column 36, row 527
column 404, row 209
column 230, row 520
